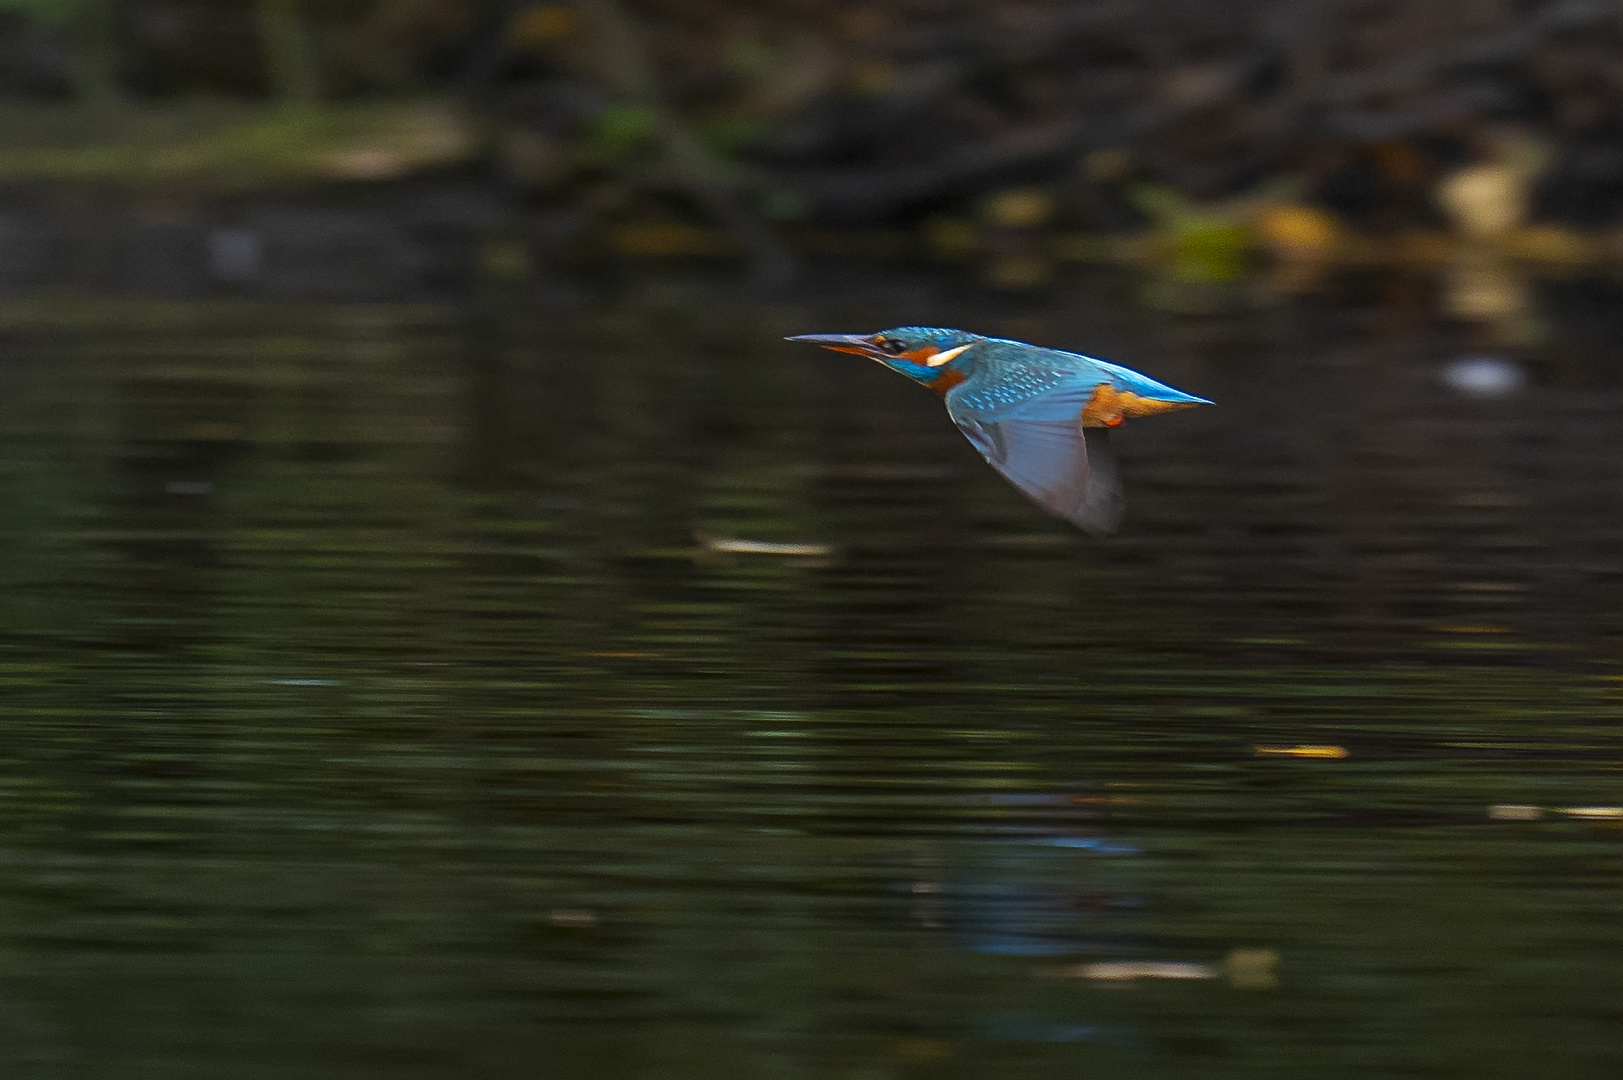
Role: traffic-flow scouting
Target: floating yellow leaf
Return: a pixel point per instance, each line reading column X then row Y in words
column 1594, row 813
column 1300, row 751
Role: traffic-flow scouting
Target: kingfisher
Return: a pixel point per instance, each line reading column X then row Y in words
column 1041, row 417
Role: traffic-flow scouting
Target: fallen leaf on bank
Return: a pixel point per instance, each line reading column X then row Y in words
column 539, row 27
column 1485, row 201
column 1293, row 231
column 1019, row 208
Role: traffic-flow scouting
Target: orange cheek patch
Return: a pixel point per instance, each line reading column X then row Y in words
column 921, row 356
column 1108, row 406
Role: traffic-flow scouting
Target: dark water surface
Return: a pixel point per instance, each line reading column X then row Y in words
column 371, row 710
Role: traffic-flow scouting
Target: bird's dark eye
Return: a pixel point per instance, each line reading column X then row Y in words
column 891, row 346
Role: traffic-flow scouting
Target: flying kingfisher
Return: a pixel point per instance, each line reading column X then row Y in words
column 1041, row 417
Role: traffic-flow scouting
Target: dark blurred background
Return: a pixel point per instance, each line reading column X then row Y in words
column 1198, row 137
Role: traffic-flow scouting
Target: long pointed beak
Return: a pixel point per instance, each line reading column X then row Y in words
column 851, row 343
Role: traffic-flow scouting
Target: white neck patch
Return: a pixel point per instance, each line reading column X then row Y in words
column 946, row 357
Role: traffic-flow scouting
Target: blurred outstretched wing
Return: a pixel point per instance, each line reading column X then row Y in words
column 1068, row 469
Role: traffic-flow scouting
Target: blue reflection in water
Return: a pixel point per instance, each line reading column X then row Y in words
column 1083, row 843
column 1019, row 897
column 1028, row 889
column 1044, row 887
column 1021, row 1028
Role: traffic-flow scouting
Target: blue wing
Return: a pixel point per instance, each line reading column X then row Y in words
column 1042, row 448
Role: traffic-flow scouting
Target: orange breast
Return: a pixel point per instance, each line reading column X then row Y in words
column 945, row 381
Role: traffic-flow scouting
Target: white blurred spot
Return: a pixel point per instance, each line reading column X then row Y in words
column 235, row 254
column 1128, row 970
column 728, row 545
column 572, row 918
column 1484, row 376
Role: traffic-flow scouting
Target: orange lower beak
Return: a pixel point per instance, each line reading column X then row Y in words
column 860, row 344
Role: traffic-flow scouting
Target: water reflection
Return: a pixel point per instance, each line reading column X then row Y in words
column 369, row 711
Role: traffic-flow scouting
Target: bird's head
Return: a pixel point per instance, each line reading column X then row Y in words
column 926, row 354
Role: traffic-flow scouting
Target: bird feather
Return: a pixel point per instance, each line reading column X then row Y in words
column 1067, row 469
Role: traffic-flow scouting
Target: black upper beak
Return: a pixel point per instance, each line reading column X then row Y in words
column 854, row 343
